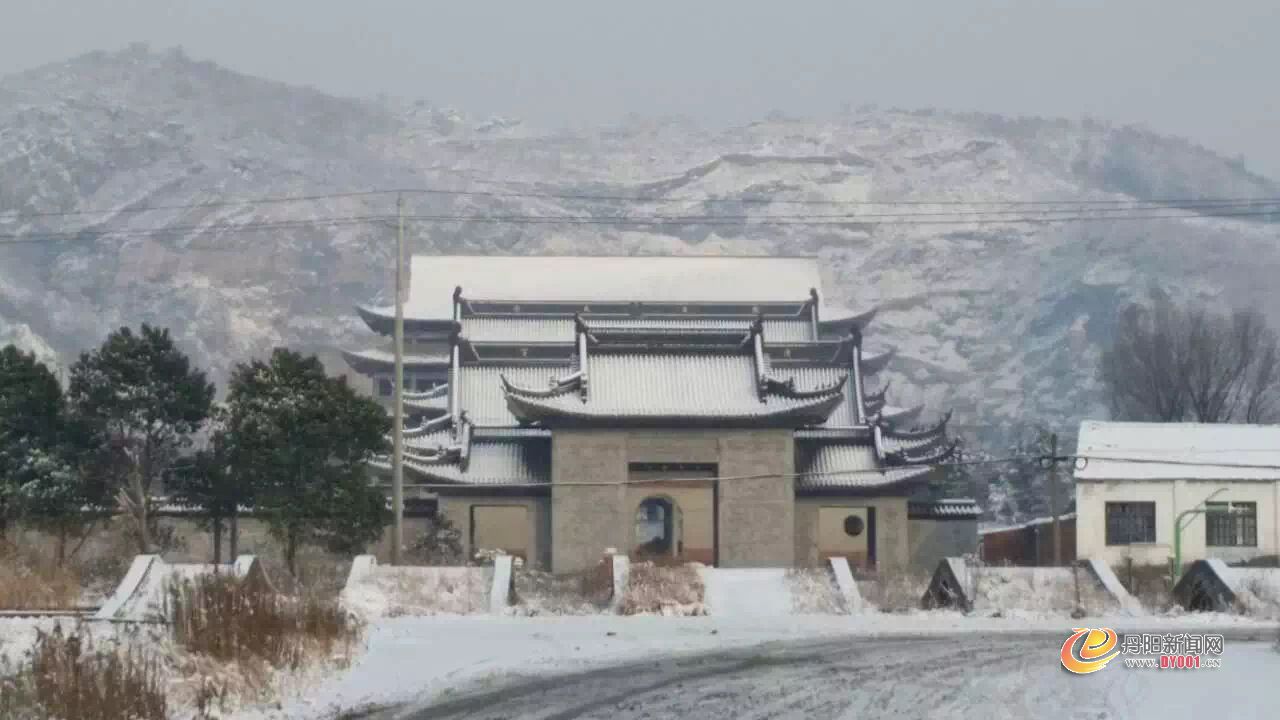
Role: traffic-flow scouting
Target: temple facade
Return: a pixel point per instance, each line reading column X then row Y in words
column 709, row 409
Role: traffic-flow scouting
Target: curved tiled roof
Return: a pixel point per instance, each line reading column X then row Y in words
column 649, row 387
column 848, row 465
column 372, row 360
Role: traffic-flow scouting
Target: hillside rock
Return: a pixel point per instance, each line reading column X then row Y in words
column 1001, row 321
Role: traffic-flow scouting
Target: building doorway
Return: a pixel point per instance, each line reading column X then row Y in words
column 658, row 526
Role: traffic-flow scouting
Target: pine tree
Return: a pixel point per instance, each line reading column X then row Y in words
column 205, row 481
column 41, row 481
column 140, row 401
column 301, row 439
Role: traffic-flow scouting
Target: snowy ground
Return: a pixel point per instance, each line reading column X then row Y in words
column 967, row 676
column 412, row 661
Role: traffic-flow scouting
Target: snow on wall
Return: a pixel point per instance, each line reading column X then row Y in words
column 755, row 592
column 1001, row 589
column 1258, row 591
column 390, row 591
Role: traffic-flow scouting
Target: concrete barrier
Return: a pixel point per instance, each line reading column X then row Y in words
column 503, row 584
column 142, row 596
column 1212, row 585
column 621, row 576
column 361, row 567
column 960, row 585
column 949, row 587
column 847, row 586
column 1106, row 577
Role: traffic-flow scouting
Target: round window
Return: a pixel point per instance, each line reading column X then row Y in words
column 853, row 526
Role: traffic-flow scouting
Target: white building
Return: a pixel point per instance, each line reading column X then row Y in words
column 1136, row 478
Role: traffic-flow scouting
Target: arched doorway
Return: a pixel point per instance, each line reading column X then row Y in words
column 657, row 528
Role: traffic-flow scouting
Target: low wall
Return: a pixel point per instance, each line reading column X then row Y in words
column 376, row 590
column 142, row 595
column 983, row 588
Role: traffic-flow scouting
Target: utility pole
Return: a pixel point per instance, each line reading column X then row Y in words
column 1053, row 499
column 397, row 414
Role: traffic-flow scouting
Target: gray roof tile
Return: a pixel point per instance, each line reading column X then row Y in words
column 560, row 330
column 640, row 386
column 847, row 465
column 482, row 397
column 691, row 278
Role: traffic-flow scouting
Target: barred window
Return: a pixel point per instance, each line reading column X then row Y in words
column 1131, row 522
column 1231, row 524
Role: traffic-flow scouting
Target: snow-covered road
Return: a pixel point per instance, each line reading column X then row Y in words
column 413, row 662
column 971, row 676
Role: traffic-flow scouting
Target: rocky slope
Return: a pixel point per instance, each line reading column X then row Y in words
column 1002, row 321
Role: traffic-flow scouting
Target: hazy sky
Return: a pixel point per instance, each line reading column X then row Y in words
column 1204, row 70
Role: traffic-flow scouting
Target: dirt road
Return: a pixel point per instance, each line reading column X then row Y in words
column 908, row 677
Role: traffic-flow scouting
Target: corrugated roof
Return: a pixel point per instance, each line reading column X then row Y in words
column 692, row 278
column 636, row 385
column 810, row 376
column 482, row 397
column 560, row 330
column 488, row 329
column 369, row 359
column 948, row 508
column 831, row 465
column 1169, row 451
column 429, row 441
column 494, row 463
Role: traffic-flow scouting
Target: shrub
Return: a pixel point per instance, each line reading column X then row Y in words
column 439, row 544
column 66, row 676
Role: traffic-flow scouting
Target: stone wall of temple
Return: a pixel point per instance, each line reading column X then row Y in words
column 591, row 510
column 892, row 535
column 496, row 523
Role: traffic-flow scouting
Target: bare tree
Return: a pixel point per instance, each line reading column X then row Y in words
column 1171, row 364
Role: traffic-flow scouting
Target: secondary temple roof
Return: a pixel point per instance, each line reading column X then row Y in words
column 534, row 343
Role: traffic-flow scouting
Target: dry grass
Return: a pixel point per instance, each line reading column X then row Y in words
column 66, row 676
column 232, row 619
column 665, row 589
column 895, row 590
column 1150, row 584
column 814, row 592
column 28, row 582
column 583, row 593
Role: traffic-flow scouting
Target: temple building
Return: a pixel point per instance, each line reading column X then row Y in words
column 710, row 409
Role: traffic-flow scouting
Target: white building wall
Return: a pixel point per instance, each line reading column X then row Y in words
column 1172, row 497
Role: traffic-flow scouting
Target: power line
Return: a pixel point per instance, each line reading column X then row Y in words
column 87, row 235
column 1114, row 204
column 282, row 199
column 754, row 476
column 802, row 221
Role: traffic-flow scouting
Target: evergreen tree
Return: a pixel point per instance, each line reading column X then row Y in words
column 31, row 419
column 140, row 402
column 205, row 481
column 41, row 480
column 301, row 439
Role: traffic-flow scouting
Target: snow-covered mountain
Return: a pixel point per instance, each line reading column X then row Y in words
column 1000, row 321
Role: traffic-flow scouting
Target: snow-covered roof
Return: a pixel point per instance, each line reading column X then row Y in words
column 1047, row 520
column 944, row 508
column 1169, row 451
column 691, row 278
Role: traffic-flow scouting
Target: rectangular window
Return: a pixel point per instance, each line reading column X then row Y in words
column 1231, row 524
column 1131, row 522
column 385, row 387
